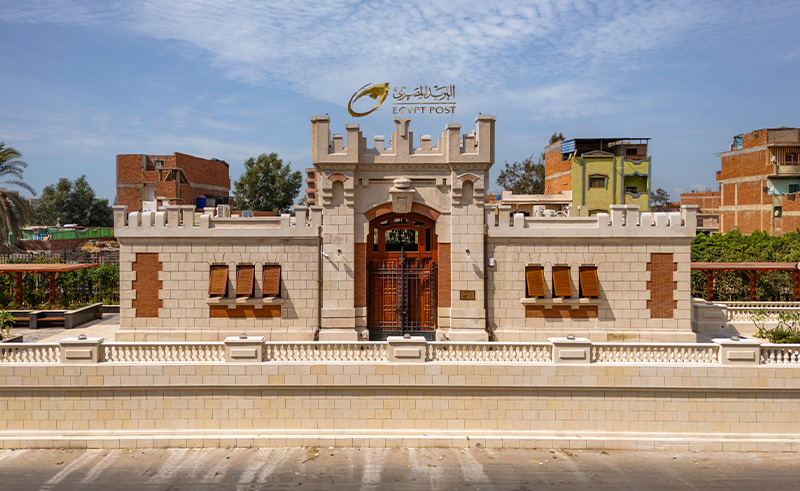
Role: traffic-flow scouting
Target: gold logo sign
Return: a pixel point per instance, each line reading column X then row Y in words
column 377, row 91
column 423, row 99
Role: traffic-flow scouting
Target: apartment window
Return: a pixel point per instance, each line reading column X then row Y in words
column 589, row 285
column 271, row 280
column 794, row 188
column 159, row 163
column 598, row 181
column 777, row 212
column 245, row 280
column 218, row 281
column 562, row 283
column 534, row 281
column 630, row 151
column 792, row 158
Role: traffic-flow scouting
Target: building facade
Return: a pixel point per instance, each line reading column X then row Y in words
column 759, row 182
column 150, row 181
column 402, row 241
column 708, row 203
column 600, row 172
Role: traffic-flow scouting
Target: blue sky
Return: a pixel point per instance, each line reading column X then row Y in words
column 85, row 81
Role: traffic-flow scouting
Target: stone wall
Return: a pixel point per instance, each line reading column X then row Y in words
column 366, row 404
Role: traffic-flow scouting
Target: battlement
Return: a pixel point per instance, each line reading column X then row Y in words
column 187, row 221
column 451, row 148
column 624, row 221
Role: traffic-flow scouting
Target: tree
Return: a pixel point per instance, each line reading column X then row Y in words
column 266, row 185
column 73, row 202
column 14, row 210
column 659, row 200
column 526, row 177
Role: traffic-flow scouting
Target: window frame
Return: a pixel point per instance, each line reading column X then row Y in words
column 220, row 273
column 245, row 280
column 535, row 285
column 562, row 281
column 587, row 277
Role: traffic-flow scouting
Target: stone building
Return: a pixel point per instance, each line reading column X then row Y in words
column 401, row 240
column 150, row 181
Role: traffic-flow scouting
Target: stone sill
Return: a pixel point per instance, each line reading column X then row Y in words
column 549, row 303
column 236, row 302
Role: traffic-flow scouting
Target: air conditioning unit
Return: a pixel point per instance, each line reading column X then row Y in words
column 538, row 210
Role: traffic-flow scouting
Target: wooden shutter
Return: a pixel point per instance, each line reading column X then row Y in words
column 562, row 283
column 534, row 281
column 218, row 281
column 245, row 280
column 271, row 282
column 590, row 286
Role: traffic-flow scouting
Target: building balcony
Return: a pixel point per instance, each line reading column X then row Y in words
column 787, row 168
column 635, row 157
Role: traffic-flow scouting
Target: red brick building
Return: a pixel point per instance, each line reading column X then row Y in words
column 708, row 203
column 174, row 179
column 759, row 182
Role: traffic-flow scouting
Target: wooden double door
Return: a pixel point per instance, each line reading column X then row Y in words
column 402, row 275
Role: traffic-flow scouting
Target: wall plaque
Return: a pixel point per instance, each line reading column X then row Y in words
column 467, row 294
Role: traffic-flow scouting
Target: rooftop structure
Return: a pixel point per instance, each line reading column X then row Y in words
column 599, row 172
column 150, row 181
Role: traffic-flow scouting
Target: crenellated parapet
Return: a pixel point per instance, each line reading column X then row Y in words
column 188, row 222
column 451, row 148
column 624, row 221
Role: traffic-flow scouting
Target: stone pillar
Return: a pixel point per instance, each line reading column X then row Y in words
column 738, row 351
column 81, row 350
column 575, row 351
column 244, row 350
column 411, row 349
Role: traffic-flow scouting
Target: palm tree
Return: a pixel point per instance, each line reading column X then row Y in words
column 15, row 211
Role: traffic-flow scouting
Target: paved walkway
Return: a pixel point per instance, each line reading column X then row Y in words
column 102, row 328
column 382, row 469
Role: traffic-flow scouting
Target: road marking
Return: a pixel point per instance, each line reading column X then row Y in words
column 68, row 469
column 470, row 468
column 371, row 475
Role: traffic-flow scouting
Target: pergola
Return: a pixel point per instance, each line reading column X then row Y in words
column 51, row 271
column 753, row 271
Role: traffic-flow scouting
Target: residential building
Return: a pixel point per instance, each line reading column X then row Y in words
column 759, row 182
column 707, row 203
column 600, row 172
column 152, row 181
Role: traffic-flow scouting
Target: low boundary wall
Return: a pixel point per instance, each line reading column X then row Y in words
column 178, row 395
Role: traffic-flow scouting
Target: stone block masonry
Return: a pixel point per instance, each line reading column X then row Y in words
column 595, row 406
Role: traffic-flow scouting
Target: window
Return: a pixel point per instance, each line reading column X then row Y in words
column 562, row 283
column 245, row 280
column 271, row 280
column 793, row 158
column 777, row 212
column 630, row 151
column 218, row 281
column 534, row 281
column 794, row 188
column 590, row 286
column 597, row 181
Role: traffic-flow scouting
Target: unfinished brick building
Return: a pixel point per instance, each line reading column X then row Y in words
column 759, row 181
column 708, row 209
column 177, row 179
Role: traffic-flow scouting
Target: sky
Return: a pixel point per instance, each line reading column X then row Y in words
column 84, row 81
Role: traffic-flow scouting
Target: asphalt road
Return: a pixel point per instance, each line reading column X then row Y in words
column 382, row 469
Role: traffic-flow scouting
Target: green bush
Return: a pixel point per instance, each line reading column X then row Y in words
column 734, row 247
column 73, row 289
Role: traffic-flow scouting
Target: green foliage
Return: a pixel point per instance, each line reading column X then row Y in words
column 735, row 247
column 659, row 200
column 524, row 177
column 266, row 185
column 6, row 321
column 73, row 202
column 787, row 330
column 14, row 210
column 73, row 289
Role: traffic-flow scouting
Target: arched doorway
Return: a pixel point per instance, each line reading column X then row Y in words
column 401, row 263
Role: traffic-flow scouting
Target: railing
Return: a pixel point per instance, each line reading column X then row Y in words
column 654, row 353
column 780, row 354
column 163, row 352
column 490, row 352
column 29, row 353
column 741, row 311
column 312, row 351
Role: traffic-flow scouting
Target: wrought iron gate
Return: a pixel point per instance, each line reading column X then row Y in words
column 402, row 297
